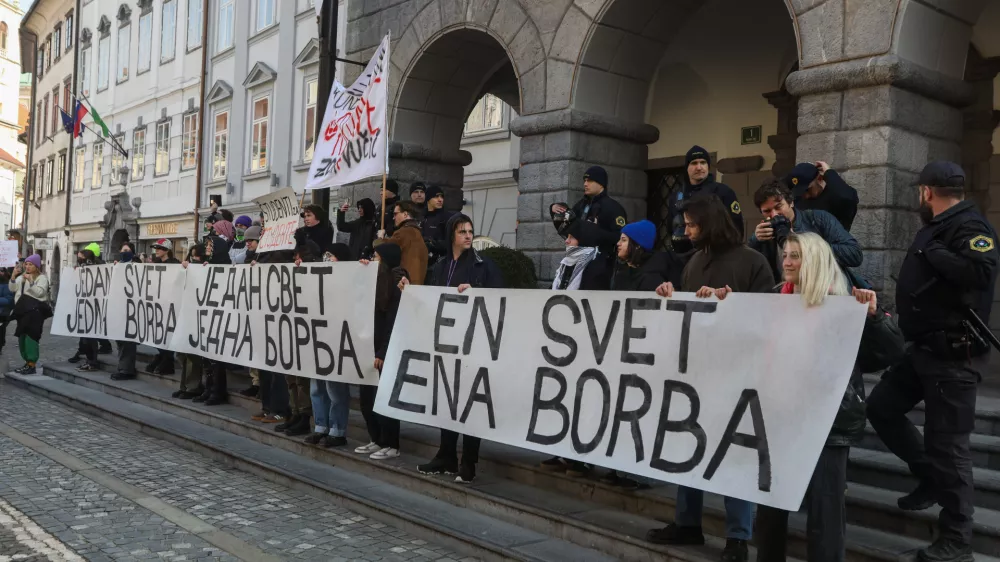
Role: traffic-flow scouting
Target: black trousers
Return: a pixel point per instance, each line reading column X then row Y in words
column 383, row 430
column 939, row 458
column 218, row 383
column 274, row 394
column 449, row 447
column 88, row 348
column 826, row 522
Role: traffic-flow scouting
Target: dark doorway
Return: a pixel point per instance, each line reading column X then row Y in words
column 664, row 183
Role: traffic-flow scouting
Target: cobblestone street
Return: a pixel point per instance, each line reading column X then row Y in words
column 73, row 487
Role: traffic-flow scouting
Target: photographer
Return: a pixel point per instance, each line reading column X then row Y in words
column 781, row 218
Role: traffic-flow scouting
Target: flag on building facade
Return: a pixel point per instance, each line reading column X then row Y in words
column 99, row 122
column 68, row 124
column 78, row 114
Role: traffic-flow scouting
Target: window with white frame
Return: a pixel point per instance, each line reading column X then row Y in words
column 193, row 24
column 48, row 52
column 97, row 173
column 40, row 67
column 486, row 116
column 145, row 42
column 61, row 172
column 225, row 30
column 50, row 166
column 117, row 158
column 189, row 141
column 34, row 183
column 103, row 63
column 57, row 42
column 138, row 154
column 124, row 42
column 39, row 134
column 45, row 116
column 258, row 133
column 265, row 13
column 220, row 145
column 309, row 127
column 81, row 161
column 168, row 30
column 85, row 72
column 162, row 165
column 56, row 119
column 69, row 31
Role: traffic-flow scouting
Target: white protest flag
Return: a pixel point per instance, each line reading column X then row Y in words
column 690, row 391
column 313, row 321
column 147, row 298
column 8, row 253
column 352, row 142
column 82, row 303
column 281, row 219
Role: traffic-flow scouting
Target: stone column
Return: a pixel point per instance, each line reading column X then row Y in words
column 556, row 150
column 878, row 121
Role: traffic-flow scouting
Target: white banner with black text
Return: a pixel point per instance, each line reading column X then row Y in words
column 146, row 299
column 82, row 303
column 734, row 397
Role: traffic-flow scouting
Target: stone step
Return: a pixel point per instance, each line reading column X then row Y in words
column 985, row 448
column 987, row 409
column 519, row 482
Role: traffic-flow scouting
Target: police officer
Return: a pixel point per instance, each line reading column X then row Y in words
column 597, row 207
column 816, row 186
column 950, row 268
column 698, row 180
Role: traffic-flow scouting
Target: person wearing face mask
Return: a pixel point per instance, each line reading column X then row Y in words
column 163, row 364
column 362, row 229
column 949, row 270
column 336, row 251
column 217, row 252
column 238, row 244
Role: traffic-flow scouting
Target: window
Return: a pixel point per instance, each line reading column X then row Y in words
column 310, row 124
column 193, row 24
column 145, row 42
column 97, row 175
column 57, row 41
column 45, row 116
column 168, row 30
column 56, row 119
column 61, row 173
column 49, row 168
column 48, row 52
column 69, row 31
column 225, row 31
column 258, row 135
column 103, row 63
column 81, row 161
column 189, row 141
column 3, row 36
column 34, row 183
column 487, row 115
column 124, row 41
column 265, row 13
column 117, row 158
column 68, row 97
column 41, row 62
column 220, row 145
column 85, row 72
column 36, row 124
column 139, row 154
column 162, row 148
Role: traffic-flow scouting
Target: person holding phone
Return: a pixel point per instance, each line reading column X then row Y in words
column 31, row 308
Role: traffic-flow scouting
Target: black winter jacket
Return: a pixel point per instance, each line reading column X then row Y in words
column 471, row 268
column 361, row 229
column 660, row 268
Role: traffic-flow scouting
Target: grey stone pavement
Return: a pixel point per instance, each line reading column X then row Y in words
column 74, row 487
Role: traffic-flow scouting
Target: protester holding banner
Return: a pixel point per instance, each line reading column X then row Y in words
column 464, row 269
column 164, row 362
column 238, row 246
column 387, row 212
column 251, row 237
column 6, row 305
column 31, row 308
column 126, row 349
column 88, row 347
column 410, row 240
column 720, row 260
column 642, row 269
column 811, row 272
column 362, row 229
column 217, row 251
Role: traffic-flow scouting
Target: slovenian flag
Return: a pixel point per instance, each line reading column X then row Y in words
column 78, row 116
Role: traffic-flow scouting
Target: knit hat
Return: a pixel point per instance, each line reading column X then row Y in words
column 161, row 244
column 338, row 250
column 35, row 259
column 392, row 186
column 697, row 153
column 95, row 248
column 225, row 229
column 390, row 254
column 418, row 186
column 253, row 233
column 243, row 221
column 433, row 191
column 598, row 174
column 642, row 233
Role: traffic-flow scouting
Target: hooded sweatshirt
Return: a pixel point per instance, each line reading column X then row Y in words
column 583, row 267
column 361, row 229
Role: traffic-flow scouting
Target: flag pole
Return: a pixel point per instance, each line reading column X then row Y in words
column 384, row 177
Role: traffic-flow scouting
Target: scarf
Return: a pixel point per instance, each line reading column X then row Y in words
column 577, row 259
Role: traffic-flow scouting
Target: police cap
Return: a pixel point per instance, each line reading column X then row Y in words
column 942, row 173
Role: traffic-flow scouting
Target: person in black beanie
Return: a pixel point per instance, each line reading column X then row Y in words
column 433, row 226
column 361, row 229
column 699, row 180
column 336, row 251
column 596, row 207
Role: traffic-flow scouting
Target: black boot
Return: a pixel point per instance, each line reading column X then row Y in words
column 151, row 367
column 250, row 391
column 189, row 394
column 302, row 427
column 216, row 399
column 439, row 466
column 919, row 499
column 290, row 422
column 204, row 396
column 676, row 535
column 165, row 369
column 736, row 551
column 946, row 550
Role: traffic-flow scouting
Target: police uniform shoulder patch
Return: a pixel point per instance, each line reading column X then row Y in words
column 735, row 208
column 981, row 243
column 795, row 181
column 620, row 221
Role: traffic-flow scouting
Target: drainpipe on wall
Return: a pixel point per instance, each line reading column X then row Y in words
column 201, row 114
column 29, row 176
column 68, row 180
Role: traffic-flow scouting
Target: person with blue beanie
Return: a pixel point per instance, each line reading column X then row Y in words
column 640, row 268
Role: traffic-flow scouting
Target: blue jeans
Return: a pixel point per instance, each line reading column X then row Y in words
column 739, row 513
column 331, row 405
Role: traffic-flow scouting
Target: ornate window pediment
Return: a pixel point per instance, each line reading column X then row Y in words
column 220, row 91
column 85, row 37
column 124, row 15
column 260, row 74
column 104, row 27
column 145, row 6
column 309, row 54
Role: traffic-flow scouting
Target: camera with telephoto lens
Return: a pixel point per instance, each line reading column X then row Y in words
column 781, row 227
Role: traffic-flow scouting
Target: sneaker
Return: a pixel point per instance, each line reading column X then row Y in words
column 21, row 369
column 260, row 416
column 29, row 370
column 87, row 368
column 75, row 359
column 736, row 551
column 946, row 550
column 313, row 438
column 384, row 454
column 333, row 441
column 368, row 449
column 122, row 376
column 250, row 392
column 918, row 500
column 676, row 535
column 439, row 466
column 466, row 474
column 274, row 418
column 555, row 464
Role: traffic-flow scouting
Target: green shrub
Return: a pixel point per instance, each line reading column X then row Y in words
column 518, row 270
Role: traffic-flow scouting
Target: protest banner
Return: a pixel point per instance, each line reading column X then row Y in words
column 82, row 303
column 696, row 392
column 147, row 298
column 313, row 321
column 281, row 219
column 353, row 142
column 8, row 253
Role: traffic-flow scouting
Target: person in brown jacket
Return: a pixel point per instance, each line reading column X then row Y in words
column 410, row 239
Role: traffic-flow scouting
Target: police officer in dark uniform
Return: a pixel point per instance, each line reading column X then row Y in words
column 699, row 180
column 596, row 207
column 816, row 186
column 950, row 269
